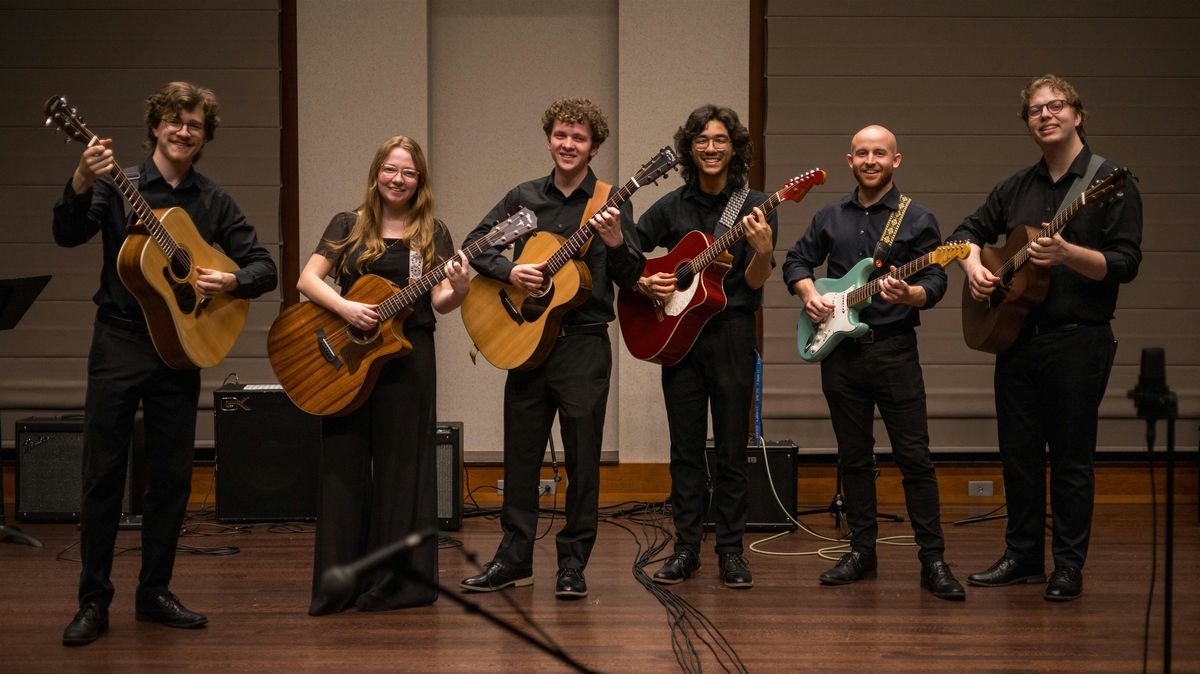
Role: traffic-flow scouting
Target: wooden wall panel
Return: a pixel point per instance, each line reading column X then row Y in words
column 946, row 76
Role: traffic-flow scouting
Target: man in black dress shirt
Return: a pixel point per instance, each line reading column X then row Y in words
column 572, row 381
column 1050, row 382
column 123, row 366
column 880, row 368
column 715, row 154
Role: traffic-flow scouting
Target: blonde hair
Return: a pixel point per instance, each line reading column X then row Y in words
column 1058, row 84
column 367, row 230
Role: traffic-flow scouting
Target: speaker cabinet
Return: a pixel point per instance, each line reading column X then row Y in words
column 449, row 475
column 49, row 470
column 267, row 455
column 763, row 512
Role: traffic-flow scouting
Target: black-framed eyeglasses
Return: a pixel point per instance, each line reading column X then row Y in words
column 1055, row 107
column 175, row 124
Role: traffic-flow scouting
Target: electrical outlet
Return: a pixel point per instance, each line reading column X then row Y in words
column 545, row 487
column 979, row 488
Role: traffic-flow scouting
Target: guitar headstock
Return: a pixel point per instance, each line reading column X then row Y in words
column 63, row 117
column 1109, row 187
column 949, row 252
column 658, row 166
column 797, row 187
column 519, row 224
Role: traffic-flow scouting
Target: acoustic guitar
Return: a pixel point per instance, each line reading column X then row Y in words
column 994, row 324
column 158, row 262
column 514, row 328
column 853, row 291
column 329, row 367
column 663, row 332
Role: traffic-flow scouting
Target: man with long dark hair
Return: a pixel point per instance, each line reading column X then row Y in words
column 715, row 154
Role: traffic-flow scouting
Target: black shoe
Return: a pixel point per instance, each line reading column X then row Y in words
column 88, row 624
column 852, row 567
column 165, row 608
column 1066, row 583
column 936, row 577
column 1006, row 572
column 734, row 571
column 678, row 568
column 570, row 584
column 497, row 576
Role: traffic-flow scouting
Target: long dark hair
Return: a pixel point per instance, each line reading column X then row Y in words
column 739, row 135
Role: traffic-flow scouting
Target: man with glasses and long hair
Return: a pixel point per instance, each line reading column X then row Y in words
column 1050, row 381
column 124, row 369
column 715, row 155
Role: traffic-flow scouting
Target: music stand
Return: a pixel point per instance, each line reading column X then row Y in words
column 16, row 296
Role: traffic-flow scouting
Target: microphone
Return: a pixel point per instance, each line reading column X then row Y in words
column 1150, row 393
column 338, row 582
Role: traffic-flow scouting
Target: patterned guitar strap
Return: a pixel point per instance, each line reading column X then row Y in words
column 883, row 249
column 729, row 217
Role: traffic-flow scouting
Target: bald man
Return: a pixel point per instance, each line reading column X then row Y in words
column 881, row 367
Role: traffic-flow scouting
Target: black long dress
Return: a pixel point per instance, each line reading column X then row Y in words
column 378, row 480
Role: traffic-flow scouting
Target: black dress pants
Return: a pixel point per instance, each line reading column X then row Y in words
column 855, row 378
column 572, row 383
column 717, row 372
column 123, row 370
column 1048, row 392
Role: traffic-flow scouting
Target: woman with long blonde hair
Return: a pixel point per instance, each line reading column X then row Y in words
column 378, row 481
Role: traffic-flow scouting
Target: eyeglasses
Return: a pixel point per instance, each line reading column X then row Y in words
column 408, row 174
column 1055, row 107
column 175, row 124
column 701, row 142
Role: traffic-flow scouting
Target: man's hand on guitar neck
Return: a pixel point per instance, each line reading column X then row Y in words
column 897, row 291
column 607, row 224
column 1049, row 251
column 97, row 161
column 210, row 282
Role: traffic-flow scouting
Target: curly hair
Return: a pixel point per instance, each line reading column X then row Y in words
column 739, row 135
column 1058, row 85
column 575, row 110
column 175, row 97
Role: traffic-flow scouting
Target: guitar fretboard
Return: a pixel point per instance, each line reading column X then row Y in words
column 580, row 238
column 731, row 236
column 424, row 283
column 868, row 290
column 144, row 213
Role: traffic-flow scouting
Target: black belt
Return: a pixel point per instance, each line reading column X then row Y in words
column 1032, row 328
column 879, row 334
column 136, row 327
column 582, row 329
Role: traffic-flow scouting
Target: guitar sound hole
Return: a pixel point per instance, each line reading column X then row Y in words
column 181, row 265
column 683, row 278
column 363, row 337
column 185, row 295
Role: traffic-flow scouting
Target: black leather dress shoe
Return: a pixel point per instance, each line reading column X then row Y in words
column 735, row 572
column 89, row 623
column 570, row 584
column 165, row 608
column 1006, row 572
column 678, row 568
column 936, row 577
column 852, row 567
column 497, row 576
column 1066, row 583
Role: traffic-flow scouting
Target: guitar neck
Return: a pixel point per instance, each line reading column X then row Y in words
column 584, row 234
column 865, row 292
column 731, row 236
column 1053, row 227
column 423, row 284
column 144, row 213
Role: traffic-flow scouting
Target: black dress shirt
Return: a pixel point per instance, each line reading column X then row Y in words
column 845, row 232
column 688, row 208
column 77, row 218
column 561, row 214
column 1030, row 198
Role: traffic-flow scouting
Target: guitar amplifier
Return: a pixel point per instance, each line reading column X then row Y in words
column 449, row 474
column 763, row 512
column 49, row 470
column 268, row 453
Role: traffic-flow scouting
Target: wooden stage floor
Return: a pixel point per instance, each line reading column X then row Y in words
column 256, row 602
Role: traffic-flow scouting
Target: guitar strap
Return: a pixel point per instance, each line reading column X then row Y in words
column 729, row 216
column 883, row 249
column 1081, row 182
column 599, row 197
column 132, row 173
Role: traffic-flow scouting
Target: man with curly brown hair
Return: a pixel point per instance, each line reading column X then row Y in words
column 572, row 381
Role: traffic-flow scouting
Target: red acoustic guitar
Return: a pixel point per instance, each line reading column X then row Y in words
column 663, row 332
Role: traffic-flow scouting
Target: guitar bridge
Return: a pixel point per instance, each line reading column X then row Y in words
column 326, row 350
column 506, row 302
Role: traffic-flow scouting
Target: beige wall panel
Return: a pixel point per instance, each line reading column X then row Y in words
column 494, row 68
column 659, row 88
column 216, row 39
column 953, row 46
